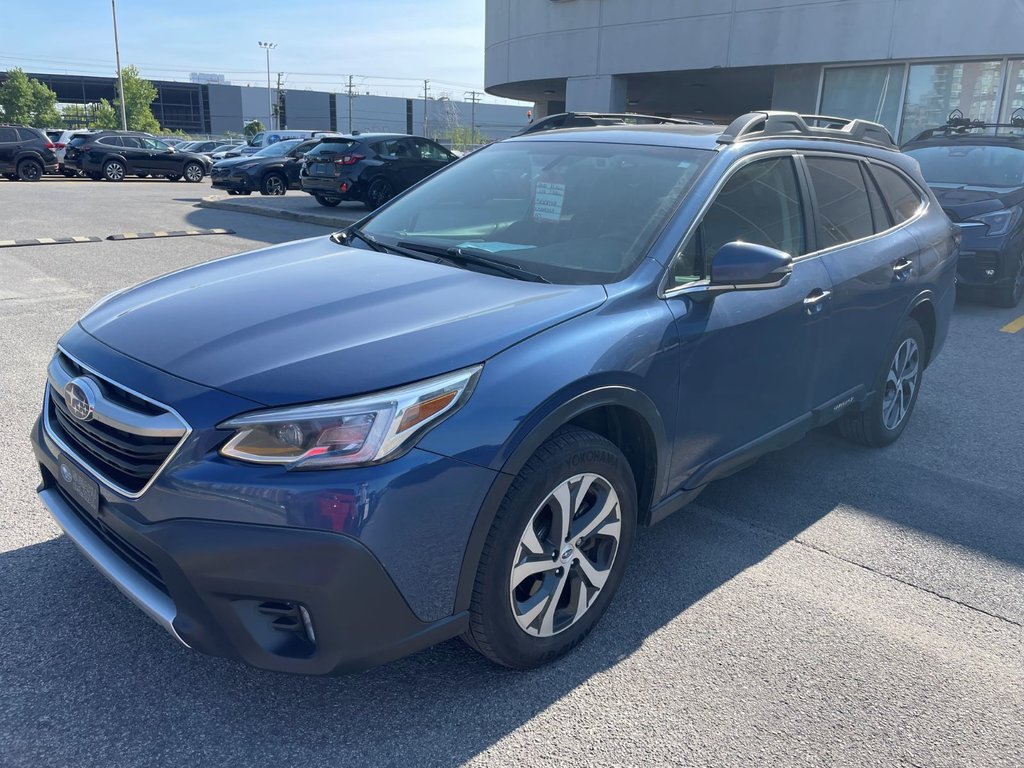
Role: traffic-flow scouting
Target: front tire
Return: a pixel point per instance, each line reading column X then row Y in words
column 30, row 170
column 273, row 184
column 556, row 552
column 896, row 390
column 114, row 170
column 1009, row 296
column 193, row 173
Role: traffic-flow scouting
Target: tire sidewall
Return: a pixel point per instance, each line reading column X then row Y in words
column 504, row 634
column 876, row 423
column 110, row 164
column 264, row 185
column 184, row 173
column 30, row 163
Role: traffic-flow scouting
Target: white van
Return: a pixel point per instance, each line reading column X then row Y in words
column 266, row 138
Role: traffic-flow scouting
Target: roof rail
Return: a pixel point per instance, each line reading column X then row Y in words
column 760, row 125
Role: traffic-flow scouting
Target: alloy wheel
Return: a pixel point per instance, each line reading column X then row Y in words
column 380, row 193
column 193, row 173
column 900, row 384
column 565, row 555
column 274, row 185
column 30, row 171
column 114, row 171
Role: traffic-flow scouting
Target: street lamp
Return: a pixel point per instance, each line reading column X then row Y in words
column 120, row 75
column 270, row 98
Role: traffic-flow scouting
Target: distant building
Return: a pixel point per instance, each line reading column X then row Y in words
column 905, row 63
column 207, row 78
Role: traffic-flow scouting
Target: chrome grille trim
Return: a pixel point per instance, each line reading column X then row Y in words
column 117, row 417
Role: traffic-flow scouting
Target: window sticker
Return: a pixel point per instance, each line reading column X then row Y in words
column 548, row 198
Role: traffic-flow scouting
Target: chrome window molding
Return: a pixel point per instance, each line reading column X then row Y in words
column 99, row 476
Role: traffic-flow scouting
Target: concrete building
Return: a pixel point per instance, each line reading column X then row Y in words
column 905, row 63
column 216, row 109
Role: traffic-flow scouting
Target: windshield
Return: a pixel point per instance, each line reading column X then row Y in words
column 279, row 149
column 571, row 212
column 975, row 165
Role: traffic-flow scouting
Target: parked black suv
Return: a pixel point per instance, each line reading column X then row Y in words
column 272, row 171
column 112, row 155
column 592, row 119
column 369, row 167
column 976, row 170
column 26, row 153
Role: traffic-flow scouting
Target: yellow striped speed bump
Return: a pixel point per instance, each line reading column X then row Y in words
column 48, row 241
column 1015, row 326
column 176, row 233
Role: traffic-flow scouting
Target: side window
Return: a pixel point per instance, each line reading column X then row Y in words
column 903, row 200
column 8, row 135
column 844, row 212
column 385, row 148
column 760, row 203
column 431, row 151
column 111, row 141
column 405, row 148
column 131, row 142
column 154, row 144
column 27, row 134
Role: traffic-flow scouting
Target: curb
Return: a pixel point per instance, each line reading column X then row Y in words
column 325, row 220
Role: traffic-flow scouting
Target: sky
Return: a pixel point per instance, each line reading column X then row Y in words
column 389, row 45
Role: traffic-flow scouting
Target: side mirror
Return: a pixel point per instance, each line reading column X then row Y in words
column 747, row 266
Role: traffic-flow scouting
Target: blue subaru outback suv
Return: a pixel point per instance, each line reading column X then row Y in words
column 451, row 418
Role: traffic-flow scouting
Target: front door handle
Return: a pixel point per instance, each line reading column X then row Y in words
column 815, row 301
column 902, row 269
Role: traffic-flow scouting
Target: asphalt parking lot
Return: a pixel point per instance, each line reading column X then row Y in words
column 831, row 605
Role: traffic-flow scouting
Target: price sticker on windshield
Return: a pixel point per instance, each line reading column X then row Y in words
column 547, row 200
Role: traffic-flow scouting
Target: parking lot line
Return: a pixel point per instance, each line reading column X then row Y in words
column 50, row 241
column 1013, row 327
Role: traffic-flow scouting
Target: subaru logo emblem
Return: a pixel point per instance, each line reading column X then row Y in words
column 80, row 398
column 65, row 472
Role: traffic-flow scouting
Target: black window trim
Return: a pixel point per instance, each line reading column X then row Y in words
column 667, row 292
column 925, row 200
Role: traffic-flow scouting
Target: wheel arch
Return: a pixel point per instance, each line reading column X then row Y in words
column 922, row 311
column 620, row 413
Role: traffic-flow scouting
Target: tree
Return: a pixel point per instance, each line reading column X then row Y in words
column 252, row 128
column 27, row 101
column 139, row 94
column 105, row 117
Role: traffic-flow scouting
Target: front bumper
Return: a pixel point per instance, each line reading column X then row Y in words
column 222, row 588
column 240, row 183
column 987, row 261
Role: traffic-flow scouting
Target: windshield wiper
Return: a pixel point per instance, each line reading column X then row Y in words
column 375, row 245
column 462, row 256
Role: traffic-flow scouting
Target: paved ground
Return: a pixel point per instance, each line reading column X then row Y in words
column 294, row 206
column 829, row 606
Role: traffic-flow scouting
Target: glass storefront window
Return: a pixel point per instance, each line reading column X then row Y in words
column 870, row 93
column 1015, row 92
column 935, row 90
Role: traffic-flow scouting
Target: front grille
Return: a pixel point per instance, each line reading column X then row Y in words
column 127, row 441
column 131, row 554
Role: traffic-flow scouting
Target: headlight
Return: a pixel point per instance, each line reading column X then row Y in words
column 363, row 430
column 245, row 166
column 999, row 222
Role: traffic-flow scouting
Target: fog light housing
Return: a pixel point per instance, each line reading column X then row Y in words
column 990, row 273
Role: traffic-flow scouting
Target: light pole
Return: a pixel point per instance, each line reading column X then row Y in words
column 270, row 97
column 120, row 76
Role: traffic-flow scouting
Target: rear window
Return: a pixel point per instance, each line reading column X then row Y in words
column 844, row 213
column 331, row 147
column 78, row 141
column 901, row 198
column 974, row 165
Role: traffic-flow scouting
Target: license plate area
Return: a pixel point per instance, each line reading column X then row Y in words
column 78, row 485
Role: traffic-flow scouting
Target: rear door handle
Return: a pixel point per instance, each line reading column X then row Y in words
column 815, row 301
column 902, row 269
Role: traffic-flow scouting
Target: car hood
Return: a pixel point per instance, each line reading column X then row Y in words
column 229, row 162
column 314, row 320
column 961, row 202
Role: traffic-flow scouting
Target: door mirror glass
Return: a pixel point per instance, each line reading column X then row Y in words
column 749, row 265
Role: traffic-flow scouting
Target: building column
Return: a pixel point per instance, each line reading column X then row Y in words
column 598, row 93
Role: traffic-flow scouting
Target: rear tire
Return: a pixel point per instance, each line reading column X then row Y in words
column 30, row 170
column 114, row 170
column 378, row 193
column 173, row 176
column 896, row 388
column 1009, row 296
column 539, row 592
column 329, row 202
column 95, row 176
column 273, row 184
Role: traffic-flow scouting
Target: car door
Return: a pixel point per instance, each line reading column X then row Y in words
column 8, row 148
column 131, row 149
column 402, row 162
column 293, row 162
column 749, row 359
column 160, row 158
column 433, row 157
column 872, row 263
